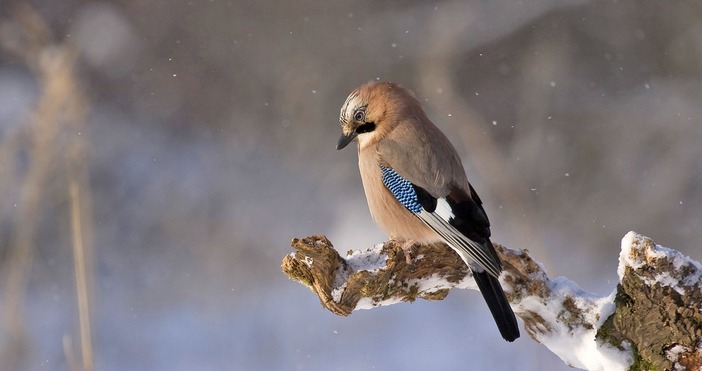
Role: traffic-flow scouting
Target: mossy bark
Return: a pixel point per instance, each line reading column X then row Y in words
column 655, row 318
column 659, row 326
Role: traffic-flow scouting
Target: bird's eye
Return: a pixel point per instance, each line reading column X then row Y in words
column 359, row 116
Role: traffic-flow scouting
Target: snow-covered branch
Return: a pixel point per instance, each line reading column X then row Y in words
column 651, row 320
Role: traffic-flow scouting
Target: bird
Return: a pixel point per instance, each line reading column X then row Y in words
column 416, row 187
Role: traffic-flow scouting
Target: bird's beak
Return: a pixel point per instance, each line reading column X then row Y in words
column 346, row 139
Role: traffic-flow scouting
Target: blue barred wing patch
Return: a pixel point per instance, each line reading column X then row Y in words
column 402, row 189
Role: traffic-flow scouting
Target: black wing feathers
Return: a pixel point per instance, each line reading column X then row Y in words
column 427, row 201
column 471, row 219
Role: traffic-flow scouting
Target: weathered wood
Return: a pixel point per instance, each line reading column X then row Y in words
column 657, row 317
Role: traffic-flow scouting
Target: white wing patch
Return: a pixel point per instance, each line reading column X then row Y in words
column 443, row 209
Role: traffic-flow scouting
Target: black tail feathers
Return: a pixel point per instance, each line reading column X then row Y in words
column 499, row 307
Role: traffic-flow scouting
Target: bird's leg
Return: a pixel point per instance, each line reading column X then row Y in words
column 408, row 248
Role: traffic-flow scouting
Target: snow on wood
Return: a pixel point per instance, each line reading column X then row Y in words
column 652, row 318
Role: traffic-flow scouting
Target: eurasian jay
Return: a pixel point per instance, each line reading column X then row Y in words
column 416, row 187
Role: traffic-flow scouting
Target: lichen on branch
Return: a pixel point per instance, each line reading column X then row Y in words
column 652, row 319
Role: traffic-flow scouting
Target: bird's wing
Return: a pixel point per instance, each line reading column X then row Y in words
column 421, row 153
column 460, row 221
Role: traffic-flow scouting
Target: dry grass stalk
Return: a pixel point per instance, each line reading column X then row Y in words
column 50, row 170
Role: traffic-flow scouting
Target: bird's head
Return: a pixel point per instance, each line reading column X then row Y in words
column 373, row 110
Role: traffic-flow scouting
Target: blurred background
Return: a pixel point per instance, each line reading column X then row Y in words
column 157, row 157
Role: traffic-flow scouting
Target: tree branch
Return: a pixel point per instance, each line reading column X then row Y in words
column 653, row 318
